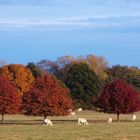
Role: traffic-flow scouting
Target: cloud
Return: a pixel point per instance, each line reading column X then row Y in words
column 128, row 22
column 72, row 2
column 68, row 8
column 43, row 23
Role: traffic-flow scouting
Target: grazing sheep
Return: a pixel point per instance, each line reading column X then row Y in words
column 134, row 117
column 72, row 113
column 82, row 121
column 79, row 109
column 109, row 120
column 48, row 122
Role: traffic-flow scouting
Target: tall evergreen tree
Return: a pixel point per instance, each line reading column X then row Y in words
column 83, row 83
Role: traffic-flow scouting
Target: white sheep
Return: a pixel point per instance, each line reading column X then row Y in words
column 82, row 121
column 109, row 120
column 48, row 122
column 79, row 109
column 134, row 117
column 72, row 114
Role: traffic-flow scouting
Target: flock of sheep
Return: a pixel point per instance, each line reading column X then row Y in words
column 82, row 121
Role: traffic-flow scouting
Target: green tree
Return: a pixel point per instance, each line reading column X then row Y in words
column 61, row 64
column 34, row 69
column 129, row 74
column 83, row 83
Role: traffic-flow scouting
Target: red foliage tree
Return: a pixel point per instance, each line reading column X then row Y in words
column 46, row 97
column 9, row 98
column 118, row 97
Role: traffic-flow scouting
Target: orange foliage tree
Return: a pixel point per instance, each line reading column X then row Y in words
column 9, row 98
column 47, row 97
column 20, row 75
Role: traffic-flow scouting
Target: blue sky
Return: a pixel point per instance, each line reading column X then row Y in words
column 31, row 30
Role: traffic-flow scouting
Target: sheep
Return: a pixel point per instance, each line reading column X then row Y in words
column 79, row 109
column 134, row 117
column 109, row 120
column 82, row 121
column 48, row 122
column 72, row 113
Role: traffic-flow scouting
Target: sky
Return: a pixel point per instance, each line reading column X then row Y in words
column 32, row 30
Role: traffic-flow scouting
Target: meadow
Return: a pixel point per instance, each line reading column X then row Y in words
column 20, row 127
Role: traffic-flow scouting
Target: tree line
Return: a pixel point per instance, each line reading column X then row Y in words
column 54, row 87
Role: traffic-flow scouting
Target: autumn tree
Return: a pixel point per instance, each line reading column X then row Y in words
column 63, row 61
column 118, row 97
column 20, row 75
column 83, row 84
column 34, row 69
column 129, row 74
column 98, row 64
column 9, row 98
column 49, row 66
column 47, row 97
column 60, row 65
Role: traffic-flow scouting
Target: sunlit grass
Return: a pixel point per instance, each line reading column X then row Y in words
column 124, row 130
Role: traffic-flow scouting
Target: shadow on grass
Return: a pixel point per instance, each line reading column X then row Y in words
column 40, row 122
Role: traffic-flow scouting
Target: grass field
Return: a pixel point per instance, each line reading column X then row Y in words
column 97, row 129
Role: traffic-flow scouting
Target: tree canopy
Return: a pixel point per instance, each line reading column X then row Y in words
column 47, row 97
column 9, row 98
column 118, row 97
column 83, row 84
column 97, row 64
column 34, row 69
column 20, row 75
column 129, row 74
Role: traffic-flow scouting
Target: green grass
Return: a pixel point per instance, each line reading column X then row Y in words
column 124, row 130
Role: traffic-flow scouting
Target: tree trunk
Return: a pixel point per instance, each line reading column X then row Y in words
column 2, row 117
column 118, row 117
column 45, row 116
